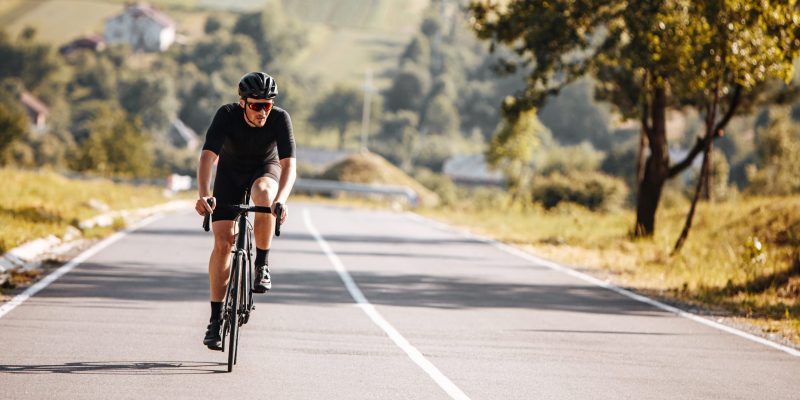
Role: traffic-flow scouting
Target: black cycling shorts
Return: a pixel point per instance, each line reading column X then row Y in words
column 230, row 184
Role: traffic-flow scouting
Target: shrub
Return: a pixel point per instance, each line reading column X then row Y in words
column 595, row 191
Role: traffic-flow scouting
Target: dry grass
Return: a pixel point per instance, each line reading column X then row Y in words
column 37, row 204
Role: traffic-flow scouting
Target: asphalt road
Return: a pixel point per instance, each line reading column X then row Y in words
column 465, row 317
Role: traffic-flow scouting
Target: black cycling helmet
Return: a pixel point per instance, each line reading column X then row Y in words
column 257, row 85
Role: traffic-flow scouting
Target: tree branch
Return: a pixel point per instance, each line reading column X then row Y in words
column 701, row 142
column 734, row 104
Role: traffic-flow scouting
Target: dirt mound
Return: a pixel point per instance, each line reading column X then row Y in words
column 370, row 168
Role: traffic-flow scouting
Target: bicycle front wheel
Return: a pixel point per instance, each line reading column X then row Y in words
column 233, row 291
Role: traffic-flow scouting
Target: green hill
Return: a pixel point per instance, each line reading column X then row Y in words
column 345, row 37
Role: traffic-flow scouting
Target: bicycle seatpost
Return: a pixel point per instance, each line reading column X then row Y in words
column 278, row 213
column 206, row 219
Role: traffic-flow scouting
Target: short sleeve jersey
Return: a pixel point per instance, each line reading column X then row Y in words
column 240, row 145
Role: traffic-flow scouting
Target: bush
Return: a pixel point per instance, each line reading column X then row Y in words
column 438, row 183
column 595, row 191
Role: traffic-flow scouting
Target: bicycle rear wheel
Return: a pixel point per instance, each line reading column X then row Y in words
column 233, row 292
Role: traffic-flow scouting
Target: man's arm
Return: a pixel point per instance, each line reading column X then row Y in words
column 207, row 160
column 288, row 176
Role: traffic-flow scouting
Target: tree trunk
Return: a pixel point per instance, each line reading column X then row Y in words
column 705, row 171
column 341, row 138
column 656, row 170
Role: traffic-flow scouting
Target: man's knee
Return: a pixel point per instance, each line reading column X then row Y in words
column 223, row 240
column 264, row 191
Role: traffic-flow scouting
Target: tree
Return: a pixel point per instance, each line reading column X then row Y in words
column 152, row 99
column 116, row 145
column 398, row 138
column 647, row 56
column 13, row 126
column 277, row 35
column 512, row 149
column 778, row 157
column 338, row 109
column 441, row 117
column 408, row 90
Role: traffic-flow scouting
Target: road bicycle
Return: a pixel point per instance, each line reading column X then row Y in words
column 239, row 294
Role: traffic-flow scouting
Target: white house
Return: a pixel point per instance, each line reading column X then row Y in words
column 142, row 27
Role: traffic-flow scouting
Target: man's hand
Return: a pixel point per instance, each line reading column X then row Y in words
column 283, row 214
column 202, row 207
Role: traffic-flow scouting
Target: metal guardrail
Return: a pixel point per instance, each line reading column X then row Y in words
column 332, row 188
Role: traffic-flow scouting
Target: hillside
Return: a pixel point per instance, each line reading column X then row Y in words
column 346, row 37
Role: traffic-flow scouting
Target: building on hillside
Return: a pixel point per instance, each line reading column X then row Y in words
column 91, row 42
column 37, row 111
column 142, row 27
column 471, row 170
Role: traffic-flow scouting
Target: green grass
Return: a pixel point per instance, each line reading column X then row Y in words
column 715, row 269
column 37, row 204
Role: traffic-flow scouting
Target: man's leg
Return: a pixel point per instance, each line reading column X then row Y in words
column 218, row 275
column 263, row 193
column 219, row 265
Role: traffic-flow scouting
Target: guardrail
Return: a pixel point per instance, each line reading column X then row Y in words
column 333, row 188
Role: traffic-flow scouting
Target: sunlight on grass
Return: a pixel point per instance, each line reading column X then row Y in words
column 37, row 204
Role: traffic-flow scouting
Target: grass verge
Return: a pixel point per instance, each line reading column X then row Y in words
column 37, row 204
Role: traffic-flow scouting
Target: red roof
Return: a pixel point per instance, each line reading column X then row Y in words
column 149, row 12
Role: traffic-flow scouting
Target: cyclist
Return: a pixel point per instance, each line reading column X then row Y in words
column 252, row 141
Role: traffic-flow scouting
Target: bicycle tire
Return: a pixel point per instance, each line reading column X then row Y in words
column 233, row 286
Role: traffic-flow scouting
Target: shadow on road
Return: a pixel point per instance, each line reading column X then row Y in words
column 322, row 287
column 119, row 368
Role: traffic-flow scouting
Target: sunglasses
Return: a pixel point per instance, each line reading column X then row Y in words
column 259, row 106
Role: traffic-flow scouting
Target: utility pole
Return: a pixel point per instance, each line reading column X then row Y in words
column 368, row 89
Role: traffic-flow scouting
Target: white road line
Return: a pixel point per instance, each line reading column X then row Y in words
column 446, row 384
column 627, row 293
column 29, row 292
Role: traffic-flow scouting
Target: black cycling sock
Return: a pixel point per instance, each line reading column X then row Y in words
column 261, row 257
column 216, row 311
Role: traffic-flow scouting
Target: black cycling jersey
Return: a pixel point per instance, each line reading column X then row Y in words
column 244, row 147
column 246, row 153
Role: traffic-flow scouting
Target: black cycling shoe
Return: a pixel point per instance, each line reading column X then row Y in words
column 213, row 339
column 262, row 283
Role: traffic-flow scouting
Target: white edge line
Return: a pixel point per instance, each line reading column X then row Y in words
column 361, row 301
column 35, row 288
column 590, row 279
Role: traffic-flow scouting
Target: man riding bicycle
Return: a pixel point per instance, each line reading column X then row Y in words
column 254, row 144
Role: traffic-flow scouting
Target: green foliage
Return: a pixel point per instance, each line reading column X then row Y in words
column 151, row 98
column 579, row 158
column 213, row 24
column 441, row 117
column 440, row 184
column 512, row 149
column 681, row 44
column 595, row 191
column 417, row 52
column 408, row 89
column 398, row 138
column 13, row 126
column 338, row 109
column 277, row 35
column 34, row 63
column 574, row 116
column 116, row 146
column 778, row 157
